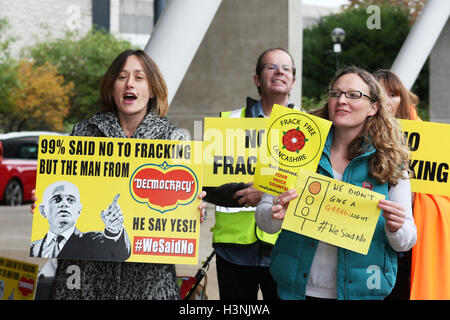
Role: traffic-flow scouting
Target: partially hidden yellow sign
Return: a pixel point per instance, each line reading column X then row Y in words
column 429, row 144
column 17, row 279
column 231, row 149
column 116, row 199
column 333, row 211
column 294, row 141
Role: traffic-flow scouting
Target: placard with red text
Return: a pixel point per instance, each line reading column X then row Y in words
column 130, row 200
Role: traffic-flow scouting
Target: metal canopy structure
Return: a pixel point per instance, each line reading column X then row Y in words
column 183, row 24
column 177, row 36
column 420, row 41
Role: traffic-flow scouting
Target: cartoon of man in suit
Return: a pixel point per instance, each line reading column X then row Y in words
column 61, row 206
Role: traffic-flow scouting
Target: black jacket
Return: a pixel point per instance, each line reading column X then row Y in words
column 223, row 195
column 89, row 246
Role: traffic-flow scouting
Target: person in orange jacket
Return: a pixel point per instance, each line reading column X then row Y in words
column 425, row 273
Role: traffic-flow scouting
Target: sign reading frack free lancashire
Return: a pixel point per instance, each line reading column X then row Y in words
column 117, row 199
column 294, row 141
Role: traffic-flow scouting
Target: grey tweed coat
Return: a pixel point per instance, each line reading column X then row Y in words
column 88, row 280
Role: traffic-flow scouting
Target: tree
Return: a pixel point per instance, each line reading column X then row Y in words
column 41, row 100
column 8, row 71
column 82, row 62
column 370, row 49
column 414, row 7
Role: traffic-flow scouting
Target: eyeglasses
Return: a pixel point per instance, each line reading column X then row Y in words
column 351, row 94
column 284, row 67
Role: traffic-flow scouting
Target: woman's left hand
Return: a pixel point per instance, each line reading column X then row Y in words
column 202, row 206
column 281, row 203
column 393, row 213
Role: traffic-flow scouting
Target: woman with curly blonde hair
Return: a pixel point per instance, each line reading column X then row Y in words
column 380, row 130
column 366, row 148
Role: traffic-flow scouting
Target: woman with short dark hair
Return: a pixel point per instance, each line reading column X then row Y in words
column 133, row 97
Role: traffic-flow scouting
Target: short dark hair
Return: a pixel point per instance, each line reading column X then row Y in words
column 157, row 84
column 260, row 63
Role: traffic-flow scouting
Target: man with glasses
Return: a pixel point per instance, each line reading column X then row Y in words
column 61, row 207
column 242, row 259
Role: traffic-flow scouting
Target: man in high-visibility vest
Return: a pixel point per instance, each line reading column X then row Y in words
column 242, row 250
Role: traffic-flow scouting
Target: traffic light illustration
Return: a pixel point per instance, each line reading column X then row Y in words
column 311, row 199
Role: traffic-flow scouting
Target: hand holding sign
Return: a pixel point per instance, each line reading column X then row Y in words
column 248, row 197
column 202, row 206
column 113, row 217
column 281, row 203
column 393, row 213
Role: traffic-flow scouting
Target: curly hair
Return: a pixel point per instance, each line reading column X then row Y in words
column 380, row 130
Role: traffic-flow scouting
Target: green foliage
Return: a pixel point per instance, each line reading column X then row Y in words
column 313, row 103
column 82, row 62
column 414, row 7
column 41, row 101
column 8, row 72
column 370, row 49
column 4, row 40
column 60, row 82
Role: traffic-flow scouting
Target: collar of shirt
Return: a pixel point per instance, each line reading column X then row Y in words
column 257, row 110
column 66, row 234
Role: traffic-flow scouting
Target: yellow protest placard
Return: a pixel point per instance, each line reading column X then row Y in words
column 294, row 141
column 430, row 155
column 17, row 279
column 117, row 199
column 333, row 211
column 231, row 148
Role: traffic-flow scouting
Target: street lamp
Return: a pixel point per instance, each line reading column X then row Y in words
column 337, row 36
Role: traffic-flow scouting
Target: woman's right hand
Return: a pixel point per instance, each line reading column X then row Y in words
column 281, row 203
column 33, row 199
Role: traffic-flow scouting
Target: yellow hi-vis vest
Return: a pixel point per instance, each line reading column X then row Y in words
column 238, row 225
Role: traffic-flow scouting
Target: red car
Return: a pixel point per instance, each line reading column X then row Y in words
column 18, row 166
